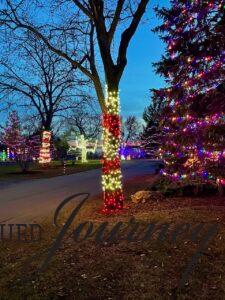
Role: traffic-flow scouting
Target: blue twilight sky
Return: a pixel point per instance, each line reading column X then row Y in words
column 139, row 76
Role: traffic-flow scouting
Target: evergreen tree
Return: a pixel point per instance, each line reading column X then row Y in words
column 12, row 136
column 152, row 134
column 194, row 65
column 24, row 148
column 61, row 148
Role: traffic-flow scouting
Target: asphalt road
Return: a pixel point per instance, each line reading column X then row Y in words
column 27, row 201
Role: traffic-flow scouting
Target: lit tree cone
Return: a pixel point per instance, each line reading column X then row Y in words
column 45, row 155
column 112, row 177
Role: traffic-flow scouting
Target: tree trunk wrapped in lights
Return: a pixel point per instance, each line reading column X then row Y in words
column 45, row 155
column 112, row 177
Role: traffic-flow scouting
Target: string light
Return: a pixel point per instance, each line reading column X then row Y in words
column 8, row 153
column 112, row 177
column 45, row 156
column 82, row 144
column 3, row 156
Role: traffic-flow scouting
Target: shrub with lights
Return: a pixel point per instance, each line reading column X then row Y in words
column 194, row 67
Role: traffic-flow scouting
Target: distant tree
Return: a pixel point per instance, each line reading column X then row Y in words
column 84, row 120
column 152, row 134
column 25, row 148
column 12, row 136
column 27, row 152
column 61, row 148
column 131, row 128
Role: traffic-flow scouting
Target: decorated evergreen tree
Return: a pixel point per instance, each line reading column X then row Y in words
column 152, row 134
column 25, row 149
column 194, row 67
column 12, row 136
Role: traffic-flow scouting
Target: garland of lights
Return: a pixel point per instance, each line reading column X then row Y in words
column 45, row 156
column 209, row 120
column 193, row 175
column 112, row 177
column 216, row 119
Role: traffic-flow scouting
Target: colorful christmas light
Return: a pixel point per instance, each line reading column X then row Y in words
column 112, row 177
column 3, row 156
column 194, row 146
column 23, row 149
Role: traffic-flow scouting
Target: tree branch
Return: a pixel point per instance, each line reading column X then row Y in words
column 115, row 20
column 128, row 34
column 97, row 82
column 83, row 9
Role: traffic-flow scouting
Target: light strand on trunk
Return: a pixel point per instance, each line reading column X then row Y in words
column 45, row 156
column 112, row 177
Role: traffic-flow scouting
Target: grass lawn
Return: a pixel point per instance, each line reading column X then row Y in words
column 55, row 169
column 122, row 270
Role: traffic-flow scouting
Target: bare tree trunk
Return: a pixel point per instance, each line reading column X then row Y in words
column 112, row 177
column 24, row 165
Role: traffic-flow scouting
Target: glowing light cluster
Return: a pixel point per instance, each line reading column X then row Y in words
column 112, row 181
column 82, row 144
column 221, row 181
column 45, row 156
column 3, row 156
column 208, row 120
column 112, row 177
column 217, row 119
column 8, row 153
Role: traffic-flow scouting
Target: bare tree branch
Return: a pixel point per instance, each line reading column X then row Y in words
column 85, row 10
column 52, row 86
column 115, row 20
column 129, row 32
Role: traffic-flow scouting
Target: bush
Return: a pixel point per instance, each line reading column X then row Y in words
column 170, row 188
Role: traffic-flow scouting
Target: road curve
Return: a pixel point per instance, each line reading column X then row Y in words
column 27, row 201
